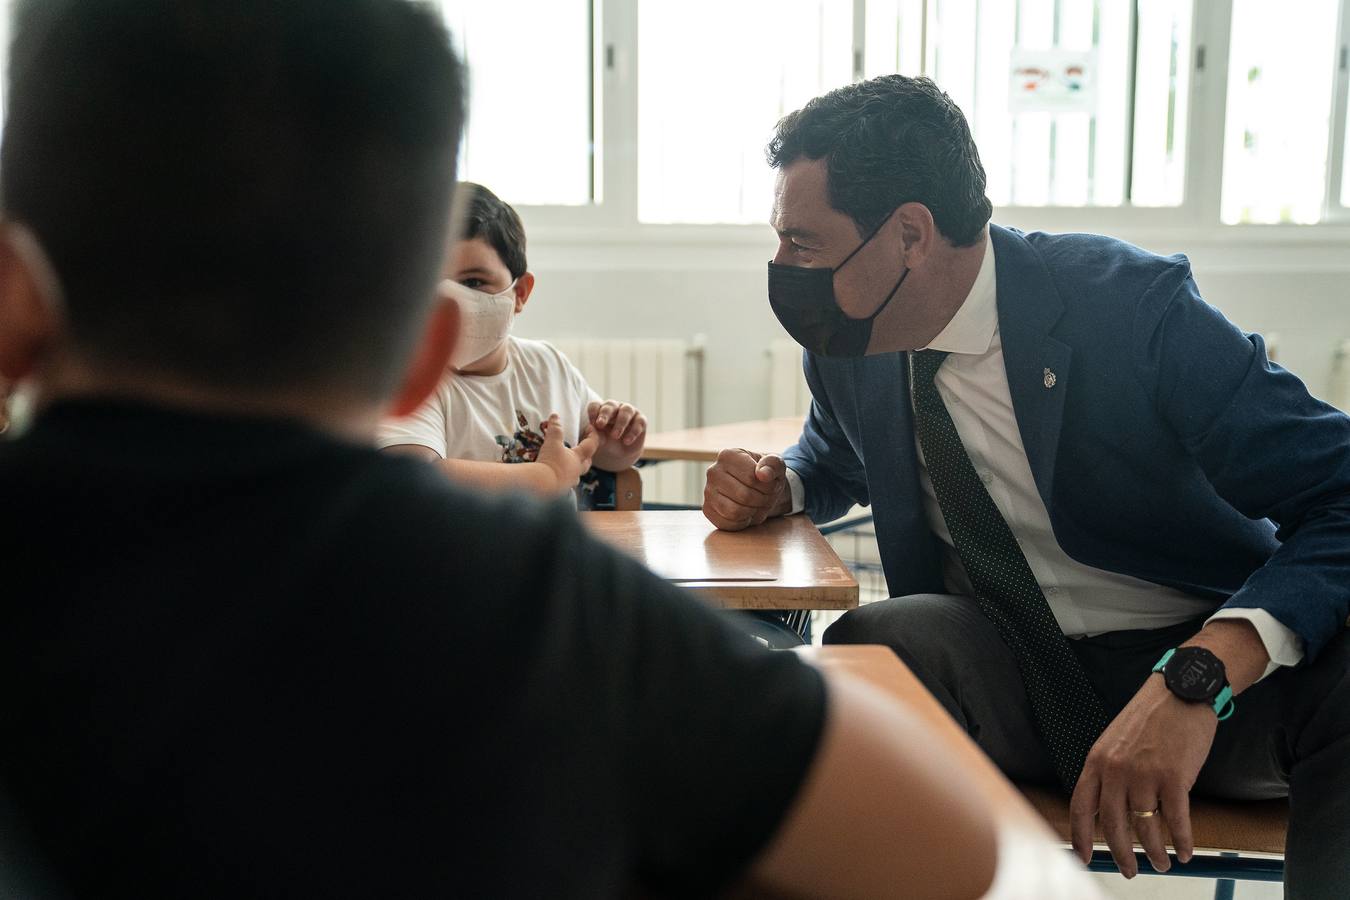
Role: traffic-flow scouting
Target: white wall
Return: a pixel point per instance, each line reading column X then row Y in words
column 679, row 282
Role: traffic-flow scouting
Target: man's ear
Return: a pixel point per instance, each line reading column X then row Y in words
column 30, row 308
column 918, row 232
column 432, row 358
column 524, row 287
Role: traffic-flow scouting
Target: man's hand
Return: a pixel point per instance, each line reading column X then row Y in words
column 1147, row 759
column 744, row 488
column 622, row 431
column 568, row 464
column 1150, row 756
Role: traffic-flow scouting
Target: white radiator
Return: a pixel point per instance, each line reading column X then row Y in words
column 662, row 378
column 788, row 394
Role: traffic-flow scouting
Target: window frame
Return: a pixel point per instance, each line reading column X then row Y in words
column 612, row 216
column 1334, row 209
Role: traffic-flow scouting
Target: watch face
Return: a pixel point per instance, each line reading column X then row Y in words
column 1193, row 673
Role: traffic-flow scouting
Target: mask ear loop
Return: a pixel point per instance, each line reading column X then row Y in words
column 889, row 297
column 866, row 240
column 903, row 275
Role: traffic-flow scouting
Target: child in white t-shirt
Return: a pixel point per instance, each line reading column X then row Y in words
column 506, row 399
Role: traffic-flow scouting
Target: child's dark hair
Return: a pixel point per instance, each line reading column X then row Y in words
column 493, row 220
column 249, row 194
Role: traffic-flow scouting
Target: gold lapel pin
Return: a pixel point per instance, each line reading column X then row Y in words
column 1049, row 379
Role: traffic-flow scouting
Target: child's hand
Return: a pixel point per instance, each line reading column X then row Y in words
column 567, row 463
column 618, row 422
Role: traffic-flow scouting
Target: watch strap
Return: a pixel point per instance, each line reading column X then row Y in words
column 1223, row 701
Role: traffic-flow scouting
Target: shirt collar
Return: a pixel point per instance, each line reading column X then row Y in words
column 973, row 327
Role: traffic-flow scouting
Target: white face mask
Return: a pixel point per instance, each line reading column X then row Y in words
column 484, row 321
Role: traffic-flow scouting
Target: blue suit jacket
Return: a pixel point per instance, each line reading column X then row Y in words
column 1169, row 448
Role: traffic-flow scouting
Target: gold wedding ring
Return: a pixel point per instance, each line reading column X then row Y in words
column 1144, row 815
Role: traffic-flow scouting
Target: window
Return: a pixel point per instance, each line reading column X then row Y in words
column 614, row 113
column 1070, row 103
column 1074, row 104
column 1345, row 143
column 1161, row 97
column 894, row 38
column 710, row 95
column 1280, row 80
column 531, row 111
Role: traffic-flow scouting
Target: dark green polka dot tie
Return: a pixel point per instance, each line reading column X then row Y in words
column 1067, row 711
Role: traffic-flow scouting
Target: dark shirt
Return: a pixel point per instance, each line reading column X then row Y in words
column 243, row 658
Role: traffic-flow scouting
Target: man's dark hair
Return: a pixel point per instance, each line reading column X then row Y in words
column 239, row 193
column 488, row 217
column 889, row 141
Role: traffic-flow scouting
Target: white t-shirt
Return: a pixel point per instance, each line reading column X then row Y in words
column 498, row 418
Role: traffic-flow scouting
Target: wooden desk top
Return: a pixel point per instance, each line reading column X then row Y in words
column 881, row 668
column 703, row 444
column 782, row 564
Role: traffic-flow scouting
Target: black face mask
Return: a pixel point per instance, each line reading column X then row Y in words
column 803, row 300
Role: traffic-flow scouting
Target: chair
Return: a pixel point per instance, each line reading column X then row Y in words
column 1247, row 836
column 769, row 627
column 628, row 489
column 599, row 489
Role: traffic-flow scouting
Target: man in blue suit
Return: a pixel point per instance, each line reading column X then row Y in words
column 1116, row 536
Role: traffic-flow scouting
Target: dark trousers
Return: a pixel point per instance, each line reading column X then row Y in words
column 1289, row 735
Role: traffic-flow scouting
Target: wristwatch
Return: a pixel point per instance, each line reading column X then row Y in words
column 1197, row 676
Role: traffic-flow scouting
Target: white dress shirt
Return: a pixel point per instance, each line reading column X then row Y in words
column 973, row 383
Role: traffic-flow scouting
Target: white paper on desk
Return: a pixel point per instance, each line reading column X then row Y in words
column 682, row 565
column 1032, row 867
column 733, row 579
column 681, row 570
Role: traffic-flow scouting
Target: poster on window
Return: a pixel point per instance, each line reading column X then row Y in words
column 1053, row 81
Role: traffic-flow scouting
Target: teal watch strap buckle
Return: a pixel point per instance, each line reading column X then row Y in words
column 1223, row 701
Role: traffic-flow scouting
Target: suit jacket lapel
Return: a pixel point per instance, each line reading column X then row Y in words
column 1037, row 364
